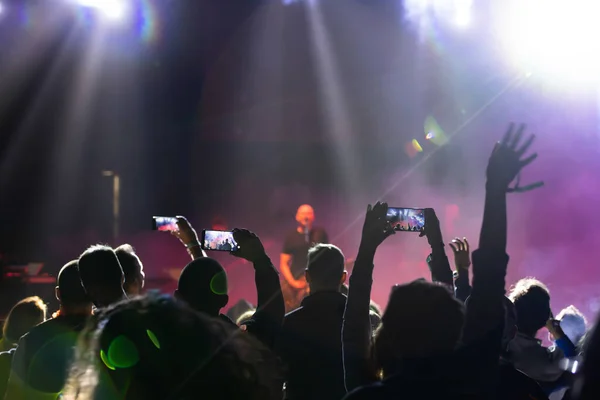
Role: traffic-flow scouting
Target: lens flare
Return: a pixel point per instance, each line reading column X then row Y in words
column 434, row 132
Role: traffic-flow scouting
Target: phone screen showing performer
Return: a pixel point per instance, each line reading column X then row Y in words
column 165, row 224
column 406, row 219
column 218, row 241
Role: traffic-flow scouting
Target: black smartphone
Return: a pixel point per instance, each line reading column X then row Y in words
column 218, row 241
column 407, row 219
column 164, row 224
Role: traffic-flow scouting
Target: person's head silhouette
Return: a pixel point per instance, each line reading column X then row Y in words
column 101, row 275
column 132, row 269
column 532, row 303
column 325, row 268
column 203, row 286
column 423, row 320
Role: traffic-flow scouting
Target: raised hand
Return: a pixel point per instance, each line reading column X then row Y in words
column 554, row 328
column 186, row 233
column 249, row 245
column 432, row 228
column 507, row 160
column 461, row 249
column 376, row 228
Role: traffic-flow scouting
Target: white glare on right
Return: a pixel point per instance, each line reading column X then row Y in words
column 555, row 38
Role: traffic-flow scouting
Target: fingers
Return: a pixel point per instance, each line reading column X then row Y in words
column 508, row 135
column 517, row 137
column 528, row 160
column 526, row 145
column 379, row 210
column 460, row 245
column 532, row 186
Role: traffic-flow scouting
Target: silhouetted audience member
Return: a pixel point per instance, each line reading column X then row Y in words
column 573, row 323
column 203, row 286
column 101, row 275
column 41, row 362
column 132, row 269
column 532, row 303
column 24, row 315
column 310, row 344
column 156, row 348
column 514, row 384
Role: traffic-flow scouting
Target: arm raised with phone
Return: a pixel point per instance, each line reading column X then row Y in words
column 266, row 321
column 356, row 329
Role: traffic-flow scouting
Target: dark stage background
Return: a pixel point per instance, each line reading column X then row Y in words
column 241, row 110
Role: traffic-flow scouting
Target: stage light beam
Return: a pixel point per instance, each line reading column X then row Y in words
column 114, row 10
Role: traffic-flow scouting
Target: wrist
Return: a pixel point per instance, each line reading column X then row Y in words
column 495, row 187
column 262, row 259
column 192, row 244
column 436, row 246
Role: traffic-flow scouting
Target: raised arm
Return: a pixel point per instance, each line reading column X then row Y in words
column 462, row 262
column 189, row 238
column 485, row 314
column 356, row 329
column 485, row 309
column 437, row 261
column 267, row 320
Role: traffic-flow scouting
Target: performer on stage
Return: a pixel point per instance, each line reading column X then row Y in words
column 294, row 256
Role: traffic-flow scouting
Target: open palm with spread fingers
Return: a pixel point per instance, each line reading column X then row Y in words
column 507, row 160
column 461, row 250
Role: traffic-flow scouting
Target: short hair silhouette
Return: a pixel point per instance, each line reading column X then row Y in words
column 101, row 274
column 422, row 320
column 532, row 302
column 573, row 323
column 70, row 289
column 133, row 270
column 203, row 285
column 24, row 315
column 325, row 266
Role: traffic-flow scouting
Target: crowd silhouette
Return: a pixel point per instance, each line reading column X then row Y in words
column 459, row 335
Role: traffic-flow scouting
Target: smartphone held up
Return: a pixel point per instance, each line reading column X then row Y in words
column 218, row 241
column 406, row 219
column 165, row 224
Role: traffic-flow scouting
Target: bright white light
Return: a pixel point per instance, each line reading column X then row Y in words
column 424, row 12
column 462, row 11
column 113, row 9
column 554, row 38
column 1, row 8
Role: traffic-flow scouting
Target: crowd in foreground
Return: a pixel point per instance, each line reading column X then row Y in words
column 460, row 336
